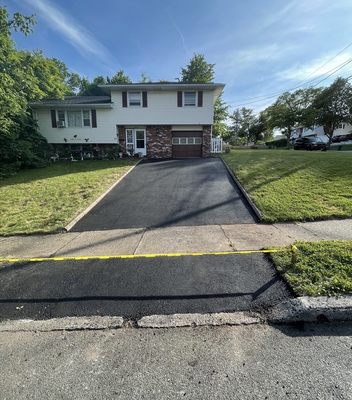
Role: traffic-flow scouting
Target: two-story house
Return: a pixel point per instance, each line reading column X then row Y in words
column 156, row 120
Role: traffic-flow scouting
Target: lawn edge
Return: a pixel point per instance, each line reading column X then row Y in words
column 243, row 191
column 71, row 224
column 312, row 309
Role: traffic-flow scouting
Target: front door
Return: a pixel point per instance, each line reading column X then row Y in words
column 136, row 141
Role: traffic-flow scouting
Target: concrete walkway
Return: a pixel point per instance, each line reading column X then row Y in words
column 207, row 238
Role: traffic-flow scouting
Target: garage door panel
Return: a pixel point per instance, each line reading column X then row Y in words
column 188, row 151
column 186, row 144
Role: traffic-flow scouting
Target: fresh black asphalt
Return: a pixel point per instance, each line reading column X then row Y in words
column 167, row 193
column 137, row 287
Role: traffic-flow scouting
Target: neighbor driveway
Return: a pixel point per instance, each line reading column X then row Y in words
column 167, row 193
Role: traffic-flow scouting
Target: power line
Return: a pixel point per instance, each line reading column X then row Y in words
column 333, row 71
column 304, row 80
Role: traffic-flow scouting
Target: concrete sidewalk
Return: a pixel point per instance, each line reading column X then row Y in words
column 206, row 238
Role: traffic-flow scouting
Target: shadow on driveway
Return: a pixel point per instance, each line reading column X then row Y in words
column 138, row 287
column 168, row 193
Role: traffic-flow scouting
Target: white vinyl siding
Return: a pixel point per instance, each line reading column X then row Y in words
column 162, row 110
column 189, row 99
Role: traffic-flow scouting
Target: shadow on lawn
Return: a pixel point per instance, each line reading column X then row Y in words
column 62, row 168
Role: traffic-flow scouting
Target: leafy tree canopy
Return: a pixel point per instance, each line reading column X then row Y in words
column 198, row 70
column 333, row 105
column 119, row 78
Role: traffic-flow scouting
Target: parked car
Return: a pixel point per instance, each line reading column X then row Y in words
column 310, row 143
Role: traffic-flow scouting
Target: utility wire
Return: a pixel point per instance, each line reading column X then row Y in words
column 332, row 71
column 303, row 81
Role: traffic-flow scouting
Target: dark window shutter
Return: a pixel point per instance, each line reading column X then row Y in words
column 124, row 99
column 179, row 99
column 94, row 118
column 145, row 99
column 200, row 98
column 53, row 118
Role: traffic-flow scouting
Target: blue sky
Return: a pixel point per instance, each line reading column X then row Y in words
column 259, row 47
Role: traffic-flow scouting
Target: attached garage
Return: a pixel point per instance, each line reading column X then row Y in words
column 187, row 144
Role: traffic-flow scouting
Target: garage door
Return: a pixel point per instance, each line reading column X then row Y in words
column 186, row 144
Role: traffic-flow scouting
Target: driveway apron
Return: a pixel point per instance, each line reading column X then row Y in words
column 169, row 193
column 136, row 287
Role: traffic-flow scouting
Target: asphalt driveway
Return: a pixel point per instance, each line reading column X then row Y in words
column 167, row 193
column 140, row 286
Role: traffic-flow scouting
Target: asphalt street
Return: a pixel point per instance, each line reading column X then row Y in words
column 311, row 362
column 169, row 193
column 136, row 287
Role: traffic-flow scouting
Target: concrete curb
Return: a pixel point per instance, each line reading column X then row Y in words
column 312, row 309
column 255, row 209
column 62, row 324
column 183, row 320
column 70, row 225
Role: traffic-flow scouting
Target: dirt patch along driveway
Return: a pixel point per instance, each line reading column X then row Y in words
column 169, row 193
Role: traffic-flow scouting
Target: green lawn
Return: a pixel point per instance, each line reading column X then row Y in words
column 288, row 185
column 46, row 199
column 320, row 268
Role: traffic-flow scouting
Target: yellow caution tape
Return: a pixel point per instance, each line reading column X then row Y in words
column 132, row 256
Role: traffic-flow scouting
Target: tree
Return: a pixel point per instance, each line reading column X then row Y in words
column 24, row 76
column 92, row 88
column 74, row 83
column 144, row 78
column 220, row 127
column 243, row 119
column 198, row 70
column 290, row 110
column 333, row 106
column 119, row 78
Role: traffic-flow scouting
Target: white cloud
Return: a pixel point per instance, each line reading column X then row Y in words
column 71, row 30
column 279, row 16
column 315, row 68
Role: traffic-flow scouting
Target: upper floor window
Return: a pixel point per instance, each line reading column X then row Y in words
column 341, row 126
column 189, row 98
column 134, row 99
column 86, row 118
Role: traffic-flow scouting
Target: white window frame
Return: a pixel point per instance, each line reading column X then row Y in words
column 195, row 98
column 129, row 99
column 133, row 143
column 188, row 140
column 89, row 116
column 65, row 112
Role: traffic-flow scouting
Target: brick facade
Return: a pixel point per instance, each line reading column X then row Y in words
column 122, row 137
column 159, row 141
column 206, row 142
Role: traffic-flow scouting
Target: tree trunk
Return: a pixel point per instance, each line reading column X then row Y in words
column 288, row 136
column 329, row 131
